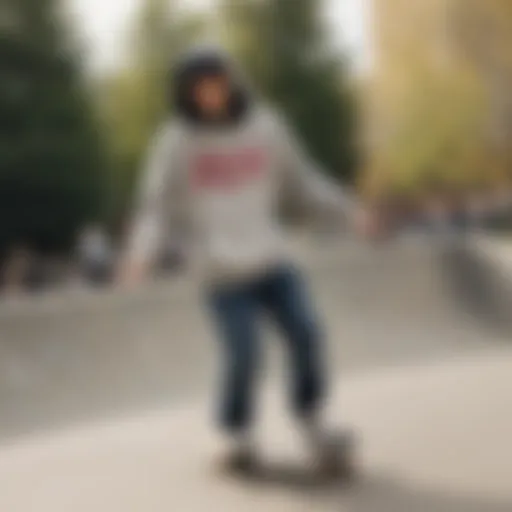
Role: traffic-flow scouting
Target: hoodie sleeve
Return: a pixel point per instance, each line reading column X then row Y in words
column 306, row 183
column 158, row 197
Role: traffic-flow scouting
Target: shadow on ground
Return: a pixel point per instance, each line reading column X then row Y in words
column 377, row 493
column 387, row 495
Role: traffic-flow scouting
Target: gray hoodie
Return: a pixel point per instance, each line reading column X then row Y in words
column 223, row 187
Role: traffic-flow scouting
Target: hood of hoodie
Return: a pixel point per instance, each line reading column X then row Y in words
column 202, row 62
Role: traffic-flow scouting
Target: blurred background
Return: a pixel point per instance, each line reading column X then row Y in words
column 407, row 102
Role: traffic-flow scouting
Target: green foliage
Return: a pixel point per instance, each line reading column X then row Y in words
column 438, row 133
column 51, row 164
column 135, row 100
column 284, row 47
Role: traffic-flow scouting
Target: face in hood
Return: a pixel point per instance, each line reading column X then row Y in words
column 199, row 64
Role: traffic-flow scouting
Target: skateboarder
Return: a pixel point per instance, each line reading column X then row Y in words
column 220, row 167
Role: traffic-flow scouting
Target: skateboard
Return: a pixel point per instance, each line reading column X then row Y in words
column 337, row 465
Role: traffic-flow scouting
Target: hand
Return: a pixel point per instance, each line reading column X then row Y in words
column 368, row 224
column 131, row 274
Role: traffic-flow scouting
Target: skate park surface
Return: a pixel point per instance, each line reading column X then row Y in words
column 106, row 400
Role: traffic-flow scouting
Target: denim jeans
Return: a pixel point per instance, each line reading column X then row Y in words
column 283, row 296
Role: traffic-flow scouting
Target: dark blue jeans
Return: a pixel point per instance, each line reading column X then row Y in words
column 282, row 295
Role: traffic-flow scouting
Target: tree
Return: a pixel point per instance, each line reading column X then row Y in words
column 285, row 49
column 135, row 99
column 443, row 112
column 437, row 134
column 483, row 33
column 51, row 162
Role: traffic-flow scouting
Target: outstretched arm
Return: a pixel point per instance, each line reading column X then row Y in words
column 156, row 197
column 315, row 192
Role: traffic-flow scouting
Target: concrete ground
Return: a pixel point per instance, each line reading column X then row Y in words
column 105, row 399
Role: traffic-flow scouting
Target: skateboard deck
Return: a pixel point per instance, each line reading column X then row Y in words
column 303, row 473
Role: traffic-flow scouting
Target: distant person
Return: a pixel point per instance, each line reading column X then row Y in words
column 457, row 215
column 478, row 212
column 440, row 217
column 223, row 164
column 17, row 269
column 95, row 255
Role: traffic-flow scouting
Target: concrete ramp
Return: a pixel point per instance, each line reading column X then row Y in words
column 436, row 439
column 74, row 357
column 425, row 376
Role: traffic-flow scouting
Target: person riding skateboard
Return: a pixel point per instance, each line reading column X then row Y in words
column 221, row 167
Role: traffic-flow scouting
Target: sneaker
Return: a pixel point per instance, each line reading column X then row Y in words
column 335, row 456
column 240, row 461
